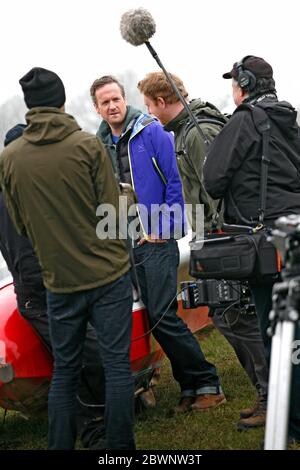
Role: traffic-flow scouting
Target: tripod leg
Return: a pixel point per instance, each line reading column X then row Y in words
column 285, row 372
column 279, row 387
column 270, row 431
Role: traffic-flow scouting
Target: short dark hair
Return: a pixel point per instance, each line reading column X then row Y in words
column 101, row 82
column 263, row 86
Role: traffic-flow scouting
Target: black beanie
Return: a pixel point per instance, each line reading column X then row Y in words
column 42, row 87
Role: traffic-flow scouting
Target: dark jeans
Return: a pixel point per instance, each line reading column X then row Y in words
column 109, row 309
column 262, row 294
column 156, row 265
column 91, row 392
column 243, row 333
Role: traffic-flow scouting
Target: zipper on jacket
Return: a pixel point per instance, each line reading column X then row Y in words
column 132, row 179
column 159, row 170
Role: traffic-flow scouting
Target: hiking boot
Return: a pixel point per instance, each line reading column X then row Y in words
column 148, row 398
column 247, row 412
column 207, row 401
column 184, row 406
column 257, row 420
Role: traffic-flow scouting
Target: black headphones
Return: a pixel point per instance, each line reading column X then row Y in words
column 246, row 79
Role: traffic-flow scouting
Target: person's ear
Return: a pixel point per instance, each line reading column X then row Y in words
column 161, row 101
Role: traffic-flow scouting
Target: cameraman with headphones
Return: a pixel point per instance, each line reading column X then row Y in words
column 232, row 171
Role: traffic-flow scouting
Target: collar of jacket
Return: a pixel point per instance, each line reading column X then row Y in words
column 177, row 122
column 47, row 125
column 140, row 123
column 260, row 98
column 198, row 107
column 104, row 131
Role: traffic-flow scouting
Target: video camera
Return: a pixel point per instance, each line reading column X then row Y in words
column 286, row 294
column 216, row 293
column 286, row 238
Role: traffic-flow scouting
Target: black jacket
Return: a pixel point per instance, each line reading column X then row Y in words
column 18, row 253
column 233, row 165
column 21, row 262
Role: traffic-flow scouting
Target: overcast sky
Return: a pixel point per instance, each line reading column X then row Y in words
column 198, row 40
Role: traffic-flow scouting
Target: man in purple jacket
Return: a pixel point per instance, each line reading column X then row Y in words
column 143, row 156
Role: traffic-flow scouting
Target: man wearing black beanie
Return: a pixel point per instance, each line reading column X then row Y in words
column 41, row 87
column 30, row 292
column 54, row 177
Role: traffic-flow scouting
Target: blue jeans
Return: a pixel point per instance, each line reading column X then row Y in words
column 156, row 265
column 109, row 310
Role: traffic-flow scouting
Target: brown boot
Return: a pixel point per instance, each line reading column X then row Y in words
column 247, row 412
column 148, row 398
column 257, row 420
column 207, row 401
column 184, row 406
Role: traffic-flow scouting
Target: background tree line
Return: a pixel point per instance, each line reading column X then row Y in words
column 14, row 109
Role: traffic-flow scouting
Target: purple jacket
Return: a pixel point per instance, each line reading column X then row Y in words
column 155, row 178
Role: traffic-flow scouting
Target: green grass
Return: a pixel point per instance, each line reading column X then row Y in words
column 215, row 429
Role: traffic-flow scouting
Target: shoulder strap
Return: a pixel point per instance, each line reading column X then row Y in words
column 262, row 124
column 201, row 120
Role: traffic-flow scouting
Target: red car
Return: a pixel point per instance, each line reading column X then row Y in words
column 26, row 364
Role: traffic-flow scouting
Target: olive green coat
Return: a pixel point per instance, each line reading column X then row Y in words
column 53, row 178
column 191, row 156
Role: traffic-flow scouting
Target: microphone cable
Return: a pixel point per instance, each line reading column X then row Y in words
column 160, row 319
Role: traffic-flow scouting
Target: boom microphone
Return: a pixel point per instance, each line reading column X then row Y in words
column 137, row 27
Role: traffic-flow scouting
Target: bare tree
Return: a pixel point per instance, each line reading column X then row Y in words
column 13, row 111
column 133, row 96
column 83, row 110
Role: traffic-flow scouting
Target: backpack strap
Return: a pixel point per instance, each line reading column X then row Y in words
column 202, row 119
column 190, row 125
column 263, row 126
column 216, row 216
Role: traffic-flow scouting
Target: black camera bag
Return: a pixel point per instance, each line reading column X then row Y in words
column 234, row 256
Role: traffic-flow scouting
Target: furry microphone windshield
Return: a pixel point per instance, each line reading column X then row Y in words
column 137, row 26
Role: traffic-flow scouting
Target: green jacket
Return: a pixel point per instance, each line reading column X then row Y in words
column 54, row 177
column 191, row 156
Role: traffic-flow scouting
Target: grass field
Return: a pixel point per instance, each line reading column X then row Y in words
column 215, row 429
